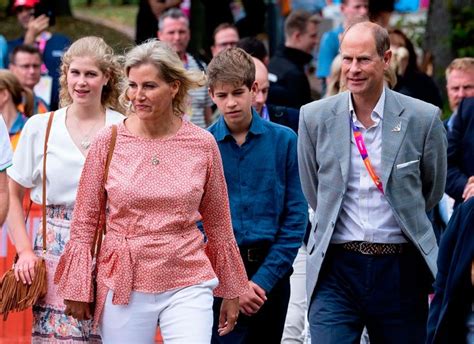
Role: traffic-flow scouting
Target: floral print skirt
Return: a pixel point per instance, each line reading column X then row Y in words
column 50, row 324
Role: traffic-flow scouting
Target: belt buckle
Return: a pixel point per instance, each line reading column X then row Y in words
column 252, row 255
column 364, row 248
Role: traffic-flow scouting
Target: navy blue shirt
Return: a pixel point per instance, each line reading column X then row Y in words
column 266, row 201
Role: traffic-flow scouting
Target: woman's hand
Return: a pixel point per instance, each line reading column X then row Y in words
column 25, row 266
column 228, row 316
column 78, row 310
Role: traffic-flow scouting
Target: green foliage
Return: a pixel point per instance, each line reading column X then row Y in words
column 462, row 34
column 414, row 29
column 104, row 2
column 74, row 29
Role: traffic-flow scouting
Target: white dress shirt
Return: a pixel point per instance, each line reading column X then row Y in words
column 366, row 214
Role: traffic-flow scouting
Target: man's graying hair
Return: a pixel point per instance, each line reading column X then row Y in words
column 173, row 13
column 381, row 37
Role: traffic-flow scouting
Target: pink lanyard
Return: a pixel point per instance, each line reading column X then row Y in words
column 42, row 46
column 365, row 155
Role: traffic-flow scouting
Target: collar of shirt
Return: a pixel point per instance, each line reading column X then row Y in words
column 451, row 120
column 222, row 131
column 265, row 114
column 377, row 112
column 18, row 124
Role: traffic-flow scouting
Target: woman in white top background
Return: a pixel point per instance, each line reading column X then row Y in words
column 90, row 79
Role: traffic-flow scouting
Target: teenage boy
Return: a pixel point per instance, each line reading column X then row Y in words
column 269, row 212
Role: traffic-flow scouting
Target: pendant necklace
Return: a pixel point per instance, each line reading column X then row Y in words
column 85, row 140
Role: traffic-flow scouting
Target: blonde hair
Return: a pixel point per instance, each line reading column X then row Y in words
column 461, row 63
column 107, row 62
column 334, row 79
column 9, row 82
column 170, row 68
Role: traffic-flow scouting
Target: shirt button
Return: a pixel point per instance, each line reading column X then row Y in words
column 332, row 224
column 322, row 254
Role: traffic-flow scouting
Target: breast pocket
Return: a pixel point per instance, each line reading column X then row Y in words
column 407, row 168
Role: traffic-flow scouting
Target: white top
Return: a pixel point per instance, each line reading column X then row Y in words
column 366, row 214
column 64, row 161
column 5, row 146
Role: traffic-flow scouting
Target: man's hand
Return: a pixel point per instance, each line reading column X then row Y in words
column 35, row 27
column 228, row 315
column 251, row 302
column 468, row 189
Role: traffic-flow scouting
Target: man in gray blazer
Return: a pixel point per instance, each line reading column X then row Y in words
column 372, row 163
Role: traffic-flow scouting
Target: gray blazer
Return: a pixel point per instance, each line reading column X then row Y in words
column 413, row 169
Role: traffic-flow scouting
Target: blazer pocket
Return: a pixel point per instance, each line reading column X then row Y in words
column 312, row 239
column 407, row 167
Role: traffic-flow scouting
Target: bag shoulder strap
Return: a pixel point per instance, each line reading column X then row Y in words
column 99, row 232
column 45, row 150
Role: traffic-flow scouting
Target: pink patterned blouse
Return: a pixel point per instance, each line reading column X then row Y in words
column 157, row 190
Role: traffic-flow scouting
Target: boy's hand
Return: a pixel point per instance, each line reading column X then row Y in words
column 251, row 302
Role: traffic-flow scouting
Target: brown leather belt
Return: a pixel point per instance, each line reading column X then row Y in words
column 254, row 254
column 375, row 249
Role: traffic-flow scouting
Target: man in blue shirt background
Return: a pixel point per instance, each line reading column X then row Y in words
column 269, row 211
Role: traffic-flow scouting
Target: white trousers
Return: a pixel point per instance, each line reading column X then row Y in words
column 296, row 324
column 184, row 315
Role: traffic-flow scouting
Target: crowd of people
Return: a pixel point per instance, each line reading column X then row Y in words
column 238, row 207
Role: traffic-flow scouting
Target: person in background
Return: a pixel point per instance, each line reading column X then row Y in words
column 411, row 81
column 269, row 214
column 329, row 45
column 225, row 36
column 3, row 52
column 155, row 264
column 459, row 84
column 173, row 28
column 278, row 114
column 51, row 45
column 291, row 87
column 460, row 182
column 149, row 12
column 90, row 83
column 25, row 64
column 14, row 95
column 255, row 48
column 453, row 287
column 5, row 162
column 380, row 11
column 372, row 163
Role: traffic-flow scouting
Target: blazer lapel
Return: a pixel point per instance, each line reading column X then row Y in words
column 394, row 128
column 339, row 133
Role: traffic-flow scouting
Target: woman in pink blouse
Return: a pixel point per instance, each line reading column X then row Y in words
column 166, row 174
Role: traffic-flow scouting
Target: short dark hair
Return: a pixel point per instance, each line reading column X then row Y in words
column 25, row 48
column 254, row 47
column 231, row 66
column 221, row 27
column 298, row 21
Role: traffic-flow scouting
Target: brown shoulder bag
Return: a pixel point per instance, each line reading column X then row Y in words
column 14, row 295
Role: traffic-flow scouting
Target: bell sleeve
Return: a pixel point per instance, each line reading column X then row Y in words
column 221, row 248
column 74, row 272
